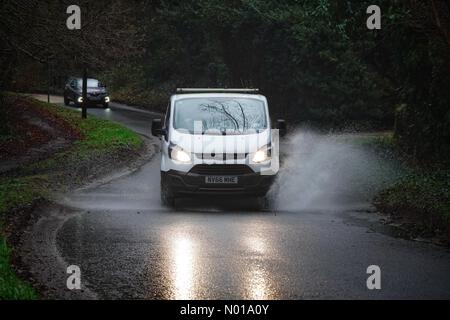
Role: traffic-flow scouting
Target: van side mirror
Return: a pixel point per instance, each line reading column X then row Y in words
column 281, row 125
column 157, row 130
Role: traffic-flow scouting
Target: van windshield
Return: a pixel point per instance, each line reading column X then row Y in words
column 219, row 116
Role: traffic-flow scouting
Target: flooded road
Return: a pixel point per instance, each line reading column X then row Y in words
column 316, row 242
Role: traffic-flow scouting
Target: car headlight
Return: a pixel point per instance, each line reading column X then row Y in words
column 80, row 99
column 262, row 154
column 178, row 154
column 107, row 99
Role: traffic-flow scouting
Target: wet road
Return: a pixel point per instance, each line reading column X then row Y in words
column 129, row 246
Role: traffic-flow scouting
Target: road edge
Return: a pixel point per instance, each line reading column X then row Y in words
column 19, row 218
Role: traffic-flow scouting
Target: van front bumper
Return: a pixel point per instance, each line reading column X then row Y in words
column 251, row 184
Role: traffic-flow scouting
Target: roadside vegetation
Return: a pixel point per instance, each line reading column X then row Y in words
column 92, row 147
column 419, row 199
column 11, row 287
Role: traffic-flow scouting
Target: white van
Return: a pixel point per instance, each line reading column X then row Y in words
column 217, row 141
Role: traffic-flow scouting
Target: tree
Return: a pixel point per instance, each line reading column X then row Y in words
column 37, row 29
column 417, row 51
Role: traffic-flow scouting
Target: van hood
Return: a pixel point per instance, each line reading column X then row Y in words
column 220, row 144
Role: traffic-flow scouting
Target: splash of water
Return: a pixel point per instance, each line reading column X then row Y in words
column 323, row 172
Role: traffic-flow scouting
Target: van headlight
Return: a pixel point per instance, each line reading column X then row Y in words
column 263, row 154
column 80, row 99
column 107, row 99
column 178, row 154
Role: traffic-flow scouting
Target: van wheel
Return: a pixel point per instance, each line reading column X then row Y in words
column 167, row 196
column 264, row 203
column 66, row 101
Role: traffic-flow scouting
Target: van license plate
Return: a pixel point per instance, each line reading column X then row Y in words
column 221, row 179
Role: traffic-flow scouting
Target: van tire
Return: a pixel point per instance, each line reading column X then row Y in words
column 66, row 101
column 167, row 196
column 264, row 202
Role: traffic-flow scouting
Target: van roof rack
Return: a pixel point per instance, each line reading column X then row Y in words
column 216, row 90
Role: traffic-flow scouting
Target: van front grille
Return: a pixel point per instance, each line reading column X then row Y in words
column 221, row 156
column 222, row 169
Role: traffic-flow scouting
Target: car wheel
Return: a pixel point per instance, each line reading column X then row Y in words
column 66, row 101
column 167, row 196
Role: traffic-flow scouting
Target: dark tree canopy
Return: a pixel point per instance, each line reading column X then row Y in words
column 37, row 30
column 314, row 59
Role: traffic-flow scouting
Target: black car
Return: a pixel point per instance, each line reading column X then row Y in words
column 96, row 92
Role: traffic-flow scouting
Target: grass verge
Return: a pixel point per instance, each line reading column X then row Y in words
column 97, row 146
column 420, row 198
column 11, row 287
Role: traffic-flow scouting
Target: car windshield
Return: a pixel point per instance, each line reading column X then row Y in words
column 91, row 83
column 220, row 115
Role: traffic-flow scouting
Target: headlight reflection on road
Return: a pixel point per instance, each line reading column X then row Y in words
column 183, row 257
column 256, row 244
column 258, row 289
column 258, row 283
